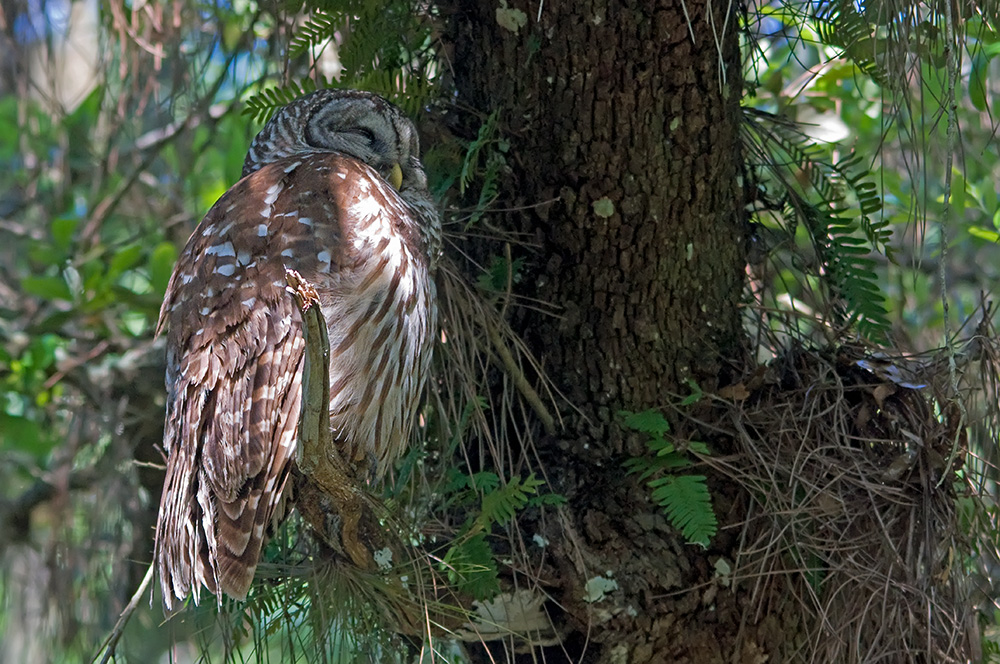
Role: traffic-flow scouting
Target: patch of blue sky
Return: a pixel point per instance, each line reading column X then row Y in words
column 43, row 19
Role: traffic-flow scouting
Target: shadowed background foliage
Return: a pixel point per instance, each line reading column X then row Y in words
column 860, row 206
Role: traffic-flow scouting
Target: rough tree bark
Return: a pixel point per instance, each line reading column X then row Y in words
column 627, row 114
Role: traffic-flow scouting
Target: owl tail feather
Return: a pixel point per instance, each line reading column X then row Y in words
column 202, row 541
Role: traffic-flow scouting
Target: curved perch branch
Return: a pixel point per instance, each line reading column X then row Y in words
column 329, row 492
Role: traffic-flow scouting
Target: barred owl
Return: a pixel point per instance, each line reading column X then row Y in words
column 333, row 188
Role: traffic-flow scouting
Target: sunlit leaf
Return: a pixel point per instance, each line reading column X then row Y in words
column 161, row 264
column 50, row 288
column 648, row 421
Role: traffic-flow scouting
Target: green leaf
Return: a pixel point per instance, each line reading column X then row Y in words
column 984, row 233
column 124, row 259
column 501, row 505
column 25, row 435
column 486, row 133
column 696, row 393
column 47, row 254
column 262, row 105
column 836, row 205
column 958, row 193
column 547, row 499
column 50, row 288
column 699, row 447
column 496, row 277
column 688, row 506
column 977, row 82
column 314, row 32
column 161, row 265
column 484, row 481
column 470, row 565
column 649, row 421
column 63, row 230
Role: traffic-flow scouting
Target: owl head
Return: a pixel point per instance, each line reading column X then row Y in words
column 355, row 123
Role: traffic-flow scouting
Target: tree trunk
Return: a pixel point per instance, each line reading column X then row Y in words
column 623, row 119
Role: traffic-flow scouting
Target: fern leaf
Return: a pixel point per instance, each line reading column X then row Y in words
column 490, row 188
column 501, row 505
column 688, row 505
column 649, row 421
column 485, row 134
column 485, row 481
column 407, row 92
column 841, row 25
column 842, row 224
column 314, row 33
column 470, row 565
column 547, row 499
column 851, row 272
column 262, row 105
column 499, row 273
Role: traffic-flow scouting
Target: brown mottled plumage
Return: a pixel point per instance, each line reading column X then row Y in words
column 317, row 196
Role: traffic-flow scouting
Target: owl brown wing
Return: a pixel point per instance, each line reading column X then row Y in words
column 234, row 355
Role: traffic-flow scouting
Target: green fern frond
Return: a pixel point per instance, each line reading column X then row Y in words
column 385, row 36
column 365, row 42
column 410, row 94
column 347, row 7
column 649, row 421
column 553, row 499
column 850, row 269
column 484, row 481
column 485, row 147
column 687, row 503
column 684, row 498
column 315, row 32
column 499, row 274
column 501, row 505
column 843, row 222
column 469, row 561
column 490, row 188
column 855, row 178
column 470, row 566
column 839, row 24
column 485, row 135
column 262, row 105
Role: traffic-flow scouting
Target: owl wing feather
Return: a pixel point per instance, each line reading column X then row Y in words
column 234, row 369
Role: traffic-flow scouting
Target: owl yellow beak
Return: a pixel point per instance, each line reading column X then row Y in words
column 396, row 176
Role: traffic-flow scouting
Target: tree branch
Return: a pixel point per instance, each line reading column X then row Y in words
column 330, row 494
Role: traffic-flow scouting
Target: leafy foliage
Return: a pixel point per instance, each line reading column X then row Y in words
column 98, row 198
column 841, row 24
column 313, row 33
column 685, row 499
column 836, row 203
column 687, row 503
column 261, row 106
column 382, row 47
column 500, row 274
column 471, row 567
column 469, row 560
column 484, row 162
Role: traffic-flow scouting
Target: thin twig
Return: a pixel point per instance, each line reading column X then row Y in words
column 521, row 382
column 945, row 231
column 110, row 643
